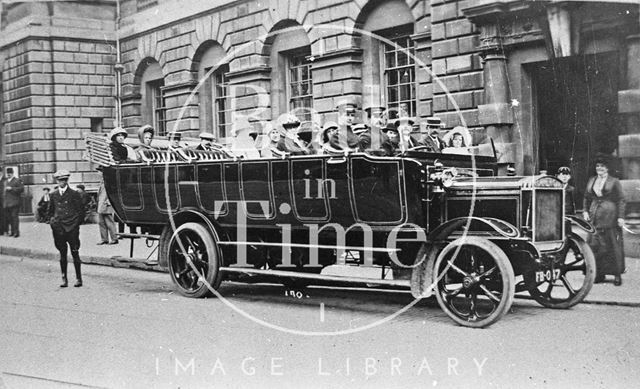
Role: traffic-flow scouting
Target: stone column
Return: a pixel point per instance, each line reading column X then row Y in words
column 496, row 114
column 629, row 143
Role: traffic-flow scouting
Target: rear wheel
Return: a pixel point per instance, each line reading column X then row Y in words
column 565, row 281
column 194, row 260
column 475, row 282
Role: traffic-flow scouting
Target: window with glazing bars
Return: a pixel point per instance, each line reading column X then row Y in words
column 399, row 74
column 300, row 86
column 220, row 99
column 158, row 107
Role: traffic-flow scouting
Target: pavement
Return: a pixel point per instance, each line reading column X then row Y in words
column 36, row 242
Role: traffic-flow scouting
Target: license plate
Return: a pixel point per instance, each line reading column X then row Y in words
column 547, row 275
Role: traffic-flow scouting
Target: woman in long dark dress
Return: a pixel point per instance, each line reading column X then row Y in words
column 604, row 207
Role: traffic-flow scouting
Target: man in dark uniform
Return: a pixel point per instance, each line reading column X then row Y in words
column 13, row 189
column 66, row 215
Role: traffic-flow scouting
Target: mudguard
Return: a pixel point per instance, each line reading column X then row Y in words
column 582, row 224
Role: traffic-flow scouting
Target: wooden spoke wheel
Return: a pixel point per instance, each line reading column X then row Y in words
column 565, row 280
column 194, row 260
column 475, row 282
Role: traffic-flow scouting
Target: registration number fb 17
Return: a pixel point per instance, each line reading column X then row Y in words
column 547, row 275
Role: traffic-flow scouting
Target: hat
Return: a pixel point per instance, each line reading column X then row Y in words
column 327, row 126
column 174, row 135
column 404, row 120
column 434, row 122
column 463, row 131
column 564, row 170
column 391, row 126
column 147, row 128
column 9, row 170
column 348, row 105
column 207, row 135
column 289, row 121
column 117, row 131
column 239, row 124
column 62, row 174
column 359, row 128
column 604, row 159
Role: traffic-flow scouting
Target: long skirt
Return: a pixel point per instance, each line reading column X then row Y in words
column 608, row 248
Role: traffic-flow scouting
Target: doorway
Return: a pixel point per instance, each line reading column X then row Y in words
column 576, row 99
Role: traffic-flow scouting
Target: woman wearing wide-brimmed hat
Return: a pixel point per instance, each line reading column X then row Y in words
column 119, row 150
column 604, row 207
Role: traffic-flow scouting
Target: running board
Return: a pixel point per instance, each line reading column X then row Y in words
column 310, row 246
column 318, row 279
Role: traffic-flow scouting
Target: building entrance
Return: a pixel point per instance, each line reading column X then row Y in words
column 576, row 100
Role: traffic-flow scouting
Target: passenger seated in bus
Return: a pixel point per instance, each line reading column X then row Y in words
column 405, row 128
column 334, row 141
column 243, row 144
column 393, row 138
column 291, row 142
column 174, row 140
column 429, row 135
column 271, row 136
column 457, row 140
column 145, row 135
column 206, row 141
column 363, row 134
column 119, row 150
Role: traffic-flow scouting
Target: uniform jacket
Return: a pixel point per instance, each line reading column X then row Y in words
column 66, row 210
column 605, row 210
column 12, row 196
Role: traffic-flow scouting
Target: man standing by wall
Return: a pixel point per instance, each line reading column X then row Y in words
column 66, row 213
column 12, row 191
column 3, row 217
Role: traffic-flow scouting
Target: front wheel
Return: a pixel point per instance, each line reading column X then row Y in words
column 194, row 260
column 475, row 282
column 566, row 279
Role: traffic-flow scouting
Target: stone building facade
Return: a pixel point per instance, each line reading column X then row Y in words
column 552, row 82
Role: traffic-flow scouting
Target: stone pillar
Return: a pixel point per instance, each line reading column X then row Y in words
column 496, row 114
column 629, row 143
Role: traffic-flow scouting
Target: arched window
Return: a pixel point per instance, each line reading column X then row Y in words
column 388, row 65
column 153, row 105
column 215, row 111
column 291, row 80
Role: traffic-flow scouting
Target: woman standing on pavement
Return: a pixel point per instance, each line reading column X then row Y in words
column 604, row 207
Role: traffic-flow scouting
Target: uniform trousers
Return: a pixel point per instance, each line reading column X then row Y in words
column 62, row 238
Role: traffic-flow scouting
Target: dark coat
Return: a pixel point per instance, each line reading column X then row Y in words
column 605, row 210
column 570, row 202
column 66, row 210
column 118, row 151
column 13, row 190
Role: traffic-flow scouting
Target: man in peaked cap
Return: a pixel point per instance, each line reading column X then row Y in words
column 13, row 189
column 65, row 216
column 206, row 141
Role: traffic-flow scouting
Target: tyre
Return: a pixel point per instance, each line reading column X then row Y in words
column 194, row 260
column 475, row 283
column 566, row 280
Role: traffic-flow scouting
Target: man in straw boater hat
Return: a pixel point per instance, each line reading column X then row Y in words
column 429, row 133
column 66, row 214
column 206, row 141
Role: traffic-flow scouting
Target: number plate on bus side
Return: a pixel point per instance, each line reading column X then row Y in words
column 547, row 275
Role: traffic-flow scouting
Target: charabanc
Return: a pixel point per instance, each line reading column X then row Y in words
column 436, row 224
